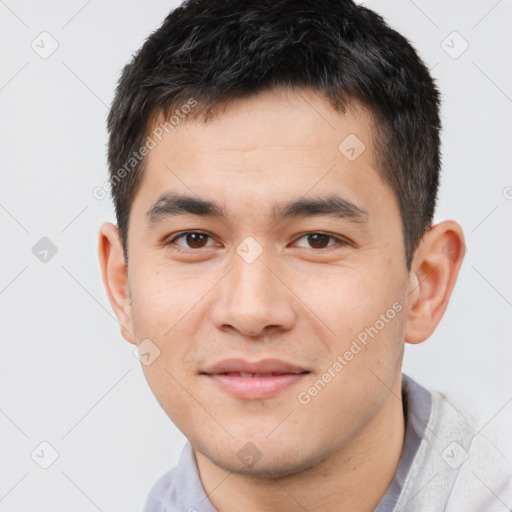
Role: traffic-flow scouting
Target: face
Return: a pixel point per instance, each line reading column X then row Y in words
column 290, row 249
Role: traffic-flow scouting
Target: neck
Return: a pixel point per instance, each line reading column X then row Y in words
column 354, row 478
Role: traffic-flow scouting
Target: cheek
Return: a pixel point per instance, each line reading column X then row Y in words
column 162, row 300
column 359, row 316
column 163, row 311
column 346, row 301
column 164, row 316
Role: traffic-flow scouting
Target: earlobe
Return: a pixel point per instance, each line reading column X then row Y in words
column 115, row 278
column 434, row 271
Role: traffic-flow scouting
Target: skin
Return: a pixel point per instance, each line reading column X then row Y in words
column 301, row 301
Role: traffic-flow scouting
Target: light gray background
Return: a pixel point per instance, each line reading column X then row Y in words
column 66, row 375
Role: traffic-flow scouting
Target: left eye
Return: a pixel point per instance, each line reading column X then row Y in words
column 193, row 240
column 321, row 240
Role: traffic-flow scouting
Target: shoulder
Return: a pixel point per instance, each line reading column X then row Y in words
column 482, row 466
column 457, row 467
column 160, row 495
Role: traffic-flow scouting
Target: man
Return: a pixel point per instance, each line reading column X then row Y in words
column 274, row 168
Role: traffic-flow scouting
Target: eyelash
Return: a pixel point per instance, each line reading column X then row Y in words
column 172, row 241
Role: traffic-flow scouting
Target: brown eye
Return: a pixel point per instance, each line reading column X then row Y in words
column 196, row 240
column 193, row 240
column 318, row 240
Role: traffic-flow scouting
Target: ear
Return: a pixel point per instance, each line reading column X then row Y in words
column 434, row 270
column 115, row 278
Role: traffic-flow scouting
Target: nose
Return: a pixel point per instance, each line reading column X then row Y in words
column 252, row 300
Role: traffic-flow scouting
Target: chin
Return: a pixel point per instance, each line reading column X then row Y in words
column 269, row 463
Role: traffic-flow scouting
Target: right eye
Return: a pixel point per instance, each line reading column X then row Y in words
column 192, row 240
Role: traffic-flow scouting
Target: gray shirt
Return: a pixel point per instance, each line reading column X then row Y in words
column 445, row 465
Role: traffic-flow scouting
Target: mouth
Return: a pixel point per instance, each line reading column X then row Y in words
column 254, row 380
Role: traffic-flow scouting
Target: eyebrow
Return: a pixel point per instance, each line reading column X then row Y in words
column 171, row 204
column 332, row 205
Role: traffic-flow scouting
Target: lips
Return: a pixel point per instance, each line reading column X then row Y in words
column 254, row 380
column 263, row 367
column 245, row 374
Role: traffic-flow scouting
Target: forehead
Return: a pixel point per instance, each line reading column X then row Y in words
column 277, row 143
column 272, row 122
